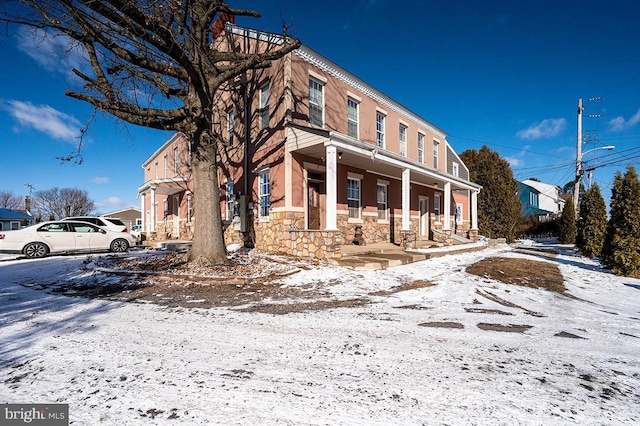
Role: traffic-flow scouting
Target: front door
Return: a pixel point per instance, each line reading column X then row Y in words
column 424, row 217
column 314, row 205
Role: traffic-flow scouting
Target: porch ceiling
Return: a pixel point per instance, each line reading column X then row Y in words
column 164, row 186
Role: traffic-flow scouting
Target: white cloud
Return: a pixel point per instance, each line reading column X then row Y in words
column 515, row 162
column 45, row 119
column 619, row 124
column 100, row 180
column 547, row 128
column 54, row 52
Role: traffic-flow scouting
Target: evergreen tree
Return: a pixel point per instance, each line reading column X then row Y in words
column 621, row 249
column 567, row 225
column 499, row 209
column 592, row 223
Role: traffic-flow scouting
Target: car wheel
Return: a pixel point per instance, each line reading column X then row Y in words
column 33, row 250
column 120, row 245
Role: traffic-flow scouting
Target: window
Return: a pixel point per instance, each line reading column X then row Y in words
column 458, row 216
column 436, row 206
column 533, row 199
column 454, row 169
column 176, row 160
column 420, row 147
column 353, row 198
column 316, row 103
column 189, row 207
column 402, row 137
column 382, row 202
column 264, row 106
column 15, row 225
column 166, row 166
column 264, row 194
column 230, row 198
column 156, row 168
column 352, row 118
column 435, row 154
column 380, row 129
column 230, row 126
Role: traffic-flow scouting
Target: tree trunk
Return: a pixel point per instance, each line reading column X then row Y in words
column 208, row 238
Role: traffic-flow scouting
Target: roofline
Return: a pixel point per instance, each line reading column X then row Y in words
column 171, row 140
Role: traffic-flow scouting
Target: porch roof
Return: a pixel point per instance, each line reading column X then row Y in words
column 168, row 186
column 366, row 156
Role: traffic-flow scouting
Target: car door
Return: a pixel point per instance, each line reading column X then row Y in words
column 58, row 236
column 89, row 237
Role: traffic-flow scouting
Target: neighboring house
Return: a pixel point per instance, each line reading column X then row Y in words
column 328, row 156
column 129, row 217
column 541, row 199
column 14, row 219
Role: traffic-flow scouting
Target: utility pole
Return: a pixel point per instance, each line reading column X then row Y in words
column 576, row 188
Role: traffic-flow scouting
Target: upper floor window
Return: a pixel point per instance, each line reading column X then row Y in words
column 264, row 194
column 454, row 169
column 316, row 103
column 264, row 106
column 436, row 144
column 382, row 201
column 353, row 198
column 156, row 169
column 533, row 199
column 176, row 161
column 402, row 137
column 230, row 126
column 166, row 166
column 420, row 147
column 352, row 118
column 380, row 118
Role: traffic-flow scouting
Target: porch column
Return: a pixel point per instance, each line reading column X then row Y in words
column 143, row 212
column 332, row 188
column 152, row 207
column 446, row 226
column 406, row 200
column 474, row 210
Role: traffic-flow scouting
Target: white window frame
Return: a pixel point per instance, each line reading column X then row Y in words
column 265, row 114
column 380, row 129
column 402, row 138
column 436, row 207
column 421, row 147
column 264, row 195
column 166, row 166
column 230, row 199
column 455, row 170
column 382, row 199
column 230, row 125
column 353, row 112
column 436, row 145
column 458, row 214
column 316, row 99
column 176, row 161
column 354, row 211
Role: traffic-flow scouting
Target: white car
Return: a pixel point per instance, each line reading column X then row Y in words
column 102, row 221
column 63, row 237
column 136, row 232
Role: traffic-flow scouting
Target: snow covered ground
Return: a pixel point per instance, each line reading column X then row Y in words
column 575, row 361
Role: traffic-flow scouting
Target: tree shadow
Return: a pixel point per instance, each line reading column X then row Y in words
column 29, row 315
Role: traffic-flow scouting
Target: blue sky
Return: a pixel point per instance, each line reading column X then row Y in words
column 503, row 74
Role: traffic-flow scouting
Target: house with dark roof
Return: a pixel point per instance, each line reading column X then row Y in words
column 14, row 219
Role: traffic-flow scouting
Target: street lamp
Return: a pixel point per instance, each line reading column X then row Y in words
column 580, row 172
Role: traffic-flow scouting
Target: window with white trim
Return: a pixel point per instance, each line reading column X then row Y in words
column 454, row 169
column 436, row 144
column 316, row 103
column 352, row 118
column 436, row 207
column 458, row 214
column 420, row 148
column 230, row 126
column 166, row 166
column 176, row 161
column 264, row 194
column 264, row 106
column 230, row 199
column 533, row 199
column 382, row 201
column 402, row 137
column 353, row 198
column 380, row 118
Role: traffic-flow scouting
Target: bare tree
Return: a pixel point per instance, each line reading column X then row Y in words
column 9, row 200
column 154, row 64
column 56, row 203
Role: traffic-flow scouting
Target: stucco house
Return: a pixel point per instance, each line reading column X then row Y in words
column 310, row 158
